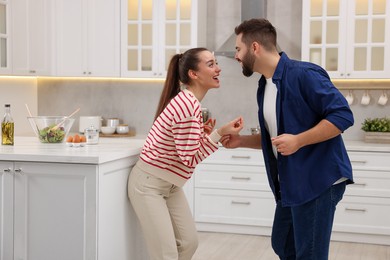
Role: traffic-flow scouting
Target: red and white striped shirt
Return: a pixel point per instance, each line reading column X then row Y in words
column 177, row 142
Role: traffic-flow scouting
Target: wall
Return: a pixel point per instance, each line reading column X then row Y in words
column 135, row 102
column 18, row 92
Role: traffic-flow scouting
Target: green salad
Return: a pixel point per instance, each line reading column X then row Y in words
column 48, row 135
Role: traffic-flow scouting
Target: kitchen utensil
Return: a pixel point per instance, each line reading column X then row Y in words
column 60, row 123
column 29, row 113
column 122, row 129
column 88, row 121
column 43, row 127
column 113, row 122
column 107, row 130
column 365, row 99
column 349, row 97
column 383, row 99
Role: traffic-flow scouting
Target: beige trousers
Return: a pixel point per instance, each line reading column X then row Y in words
column 164, row 215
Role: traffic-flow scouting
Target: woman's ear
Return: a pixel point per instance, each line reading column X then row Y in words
column 192, row 74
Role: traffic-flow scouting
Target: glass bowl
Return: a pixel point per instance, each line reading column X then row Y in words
column 51, row 129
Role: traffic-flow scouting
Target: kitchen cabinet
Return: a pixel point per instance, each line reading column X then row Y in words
column 364, row 212
column 152, row 32
column 6, row 210
column 232, row 193
column 350, row 38
column 87, row 38
column 5, row 67
column 69, row 202
column 31, row 23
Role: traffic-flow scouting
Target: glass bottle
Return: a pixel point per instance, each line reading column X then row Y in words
column 7, row 127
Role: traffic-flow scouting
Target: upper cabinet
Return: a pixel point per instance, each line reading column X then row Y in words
column 87, row 38
column 152, row 32
column 5, row 66
column 31, row 37
column 348, row 38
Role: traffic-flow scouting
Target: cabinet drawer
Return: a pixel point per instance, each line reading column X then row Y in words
column 234, row 207
column 231, row 177
column 372, row 183
column 238, row 156
column 370, row 160
column 363, row 215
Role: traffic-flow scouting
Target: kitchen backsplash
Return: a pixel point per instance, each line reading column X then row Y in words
column 135, row 102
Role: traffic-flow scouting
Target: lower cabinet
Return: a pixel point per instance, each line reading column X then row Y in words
column 232, row 193
column 67, row 211
column 364, row 212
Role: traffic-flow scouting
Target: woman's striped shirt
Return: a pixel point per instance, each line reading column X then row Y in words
column 177, row 142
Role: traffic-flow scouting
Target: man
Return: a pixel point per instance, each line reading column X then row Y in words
column 301, row 116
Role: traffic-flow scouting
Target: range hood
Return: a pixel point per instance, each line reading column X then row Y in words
column 249, row 9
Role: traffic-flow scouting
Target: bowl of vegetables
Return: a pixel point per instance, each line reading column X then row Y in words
column 51, row 129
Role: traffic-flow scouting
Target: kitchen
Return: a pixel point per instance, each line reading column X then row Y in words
column 134, row 99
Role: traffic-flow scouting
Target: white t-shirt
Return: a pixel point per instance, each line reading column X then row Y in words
column 269, row 110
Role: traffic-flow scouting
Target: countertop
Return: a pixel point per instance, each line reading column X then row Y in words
column 366, row 147
column 108, row 149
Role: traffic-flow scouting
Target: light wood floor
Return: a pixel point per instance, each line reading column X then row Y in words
column 221, row 246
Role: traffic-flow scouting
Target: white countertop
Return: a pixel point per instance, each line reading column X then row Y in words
column 108, row 149
column 366, row 147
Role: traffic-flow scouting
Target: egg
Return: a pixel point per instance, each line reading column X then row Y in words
column 76, row 138
column 83, row 139
column 69, row 139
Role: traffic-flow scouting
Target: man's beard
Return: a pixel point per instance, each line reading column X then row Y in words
column 247, row 64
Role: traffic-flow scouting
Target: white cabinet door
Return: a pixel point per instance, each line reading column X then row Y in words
column 87, row 38
column 31, row 37
column 55, row 211
column 350, row 39
column 152, row 32
column 5, row 66
column 6, row 210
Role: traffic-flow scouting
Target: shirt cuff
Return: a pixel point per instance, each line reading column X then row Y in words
column 214, row 136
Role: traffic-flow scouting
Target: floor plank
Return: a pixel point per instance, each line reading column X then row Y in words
column 225, row 246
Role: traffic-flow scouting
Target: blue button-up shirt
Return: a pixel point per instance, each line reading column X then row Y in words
column 305, row 97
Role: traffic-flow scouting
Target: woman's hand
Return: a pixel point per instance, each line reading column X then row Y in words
column 232, row 128
column 209, row 126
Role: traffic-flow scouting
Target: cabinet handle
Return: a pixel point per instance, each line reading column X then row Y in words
column 32, row 71
column 241, row 202
column 19, row 171
column 7, row 170
column 89, row 73
column 358, row 161
column 356, row 209
column 241, row 157
column 360, row 184
column 241, row 178
column 84, row 72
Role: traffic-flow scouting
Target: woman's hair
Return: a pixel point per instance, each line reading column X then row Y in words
column 177, row 74
column 257, row 30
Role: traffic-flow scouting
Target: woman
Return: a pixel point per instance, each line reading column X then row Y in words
column 176, row 143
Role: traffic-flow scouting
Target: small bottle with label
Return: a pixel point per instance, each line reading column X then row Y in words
column 92, row 135
column 7, row 127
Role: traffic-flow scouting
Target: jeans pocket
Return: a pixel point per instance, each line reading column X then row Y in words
column 337, row 192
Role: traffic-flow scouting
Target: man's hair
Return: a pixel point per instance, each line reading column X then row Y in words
column 257, row 30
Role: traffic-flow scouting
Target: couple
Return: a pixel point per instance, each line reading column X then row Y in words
column 301, row 115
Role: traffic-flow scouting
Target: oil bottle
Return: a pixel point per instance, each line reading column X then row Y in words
column 7, row 127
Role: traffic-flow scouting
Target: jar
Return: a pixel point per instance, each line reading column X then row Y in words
column 91, row 135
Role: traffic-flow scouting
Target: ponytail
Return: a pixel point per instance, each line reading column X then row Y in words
column 171, row 85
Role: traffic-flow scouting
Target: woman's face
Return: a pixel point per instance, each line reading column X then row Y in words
column 208, row 70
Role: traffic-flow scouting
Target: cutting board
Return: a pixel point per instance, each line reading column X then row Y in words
column 129, row 134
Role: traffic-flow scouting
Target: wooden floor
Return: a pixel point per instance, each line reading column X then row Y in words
column 221, row 246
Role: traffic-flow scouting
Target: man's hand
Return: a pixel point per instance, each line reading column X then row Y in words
column 286, row 144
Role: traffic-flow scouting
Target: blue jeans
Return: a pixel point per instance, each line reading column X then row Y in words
column 303, row 232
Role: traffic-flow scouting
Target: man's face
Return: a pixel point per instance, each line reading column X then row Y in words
column 244, row 56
